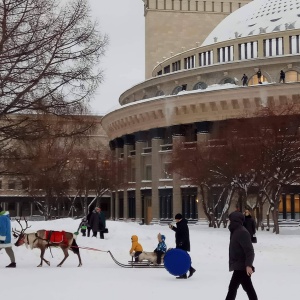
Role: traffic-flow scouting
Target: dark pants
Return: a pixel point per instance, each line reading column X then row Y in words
column 101, row 234
column 83, row 231
column 89, row 231
column 136, row 255
column 191, row 268
column 159, row 255
column 241, row 277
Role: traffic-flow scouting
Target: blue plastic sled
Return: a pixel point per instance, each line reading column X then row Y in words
column 177, row 262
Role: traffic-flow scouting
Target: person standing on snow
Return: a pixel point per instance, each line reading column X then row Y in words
column 258, row 73
column 5, row 237
column 182, row 239
column 282, row 77
column 241, row 257
column 102, row 222
column 244, row 80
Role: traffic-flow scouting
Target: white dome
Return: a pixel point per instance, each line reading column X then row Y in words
column 257, row 17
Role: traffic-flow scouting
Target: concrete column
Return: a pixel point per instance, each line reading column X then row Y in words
column 156, row 175
column 177, row 203
column 260, row 46
column 139, row 171
column 203, row 137
column 127, row 149
column 118, row 152
column 125, row 204
column 286, row 45
column 236, row 52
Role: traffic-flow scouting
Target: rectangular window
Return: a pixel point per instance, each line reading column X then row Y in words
column 225, row 54
column 0, row 184
column 248, row 50
column 11, row 206
column 167, row 69
column 189, row 62
column 148, row 172
column 294, row 44
column 205, row 58
column 167, row 174
column 176, row 66
column 25, row 184
column 297, row 206
column 273, row 47
column 11, row 185
column 132, row 175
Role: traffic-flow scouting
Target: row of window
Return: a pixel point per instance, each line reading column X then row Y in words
column 14, row 185
column 188, row 204
column 147, row 173
column 290, row 76
column 271, row 47
column 289, row 207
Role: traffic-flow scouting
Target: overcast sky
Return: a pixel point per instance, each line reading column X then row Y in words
column 123, row 64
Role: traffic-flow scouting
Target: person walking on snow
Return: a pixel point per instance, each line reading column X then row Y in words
column 5, row 237
column 241, row 257
column 182, row 239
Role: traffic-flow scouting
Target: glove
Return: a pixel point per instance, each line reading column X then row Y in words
column 76, row 233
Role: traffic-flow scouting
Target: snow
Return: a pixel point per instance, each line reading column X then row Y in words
column 277, row 266
column 255, row 18
column 210, row 88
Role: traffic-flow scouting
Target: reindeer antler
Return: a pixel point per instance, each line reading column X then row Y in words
column 17, row 232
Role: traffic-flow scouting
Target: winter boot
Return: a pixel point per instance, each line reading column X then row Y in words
column 182, row 277
column 192, row 271
column 11, row 265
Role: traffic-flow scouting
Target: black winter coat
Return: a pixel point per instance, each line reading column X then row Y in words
column 241, row 252
column 94, row 221
column 249, row 224
column 88, row 217
column 182, row 235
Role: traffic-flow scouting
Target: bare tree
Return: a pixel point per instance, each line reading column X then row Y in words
column 49, row 56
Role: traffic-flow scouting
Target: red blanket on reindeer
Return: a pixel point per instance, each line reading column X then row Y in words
column 56, row 237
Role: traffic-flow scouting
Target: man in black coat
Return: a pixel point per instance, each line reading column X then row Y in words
column 182, row 239
column 241, row 257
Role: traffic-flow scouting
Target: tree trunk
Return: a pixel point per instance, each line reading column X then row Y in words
column 275, row 220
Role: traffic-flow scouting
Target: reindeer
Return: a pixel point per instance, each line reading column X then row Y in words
column 42, row 240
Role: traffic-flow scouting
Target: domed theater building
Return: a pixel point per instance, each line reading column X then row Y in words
column 196, row 55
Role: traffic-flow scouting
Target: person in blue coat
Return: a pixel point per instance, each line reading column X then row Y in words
column 161, row 248
column 5, row 236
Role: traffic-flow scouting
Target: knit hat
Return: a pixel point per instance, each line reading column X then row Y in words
column 178, row 217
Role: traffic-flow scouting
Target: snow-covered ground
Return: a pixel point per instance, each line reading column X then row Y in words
column 277, row 265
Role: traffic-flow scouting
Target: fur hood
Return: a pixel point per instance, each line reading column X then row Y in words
column 134, row 238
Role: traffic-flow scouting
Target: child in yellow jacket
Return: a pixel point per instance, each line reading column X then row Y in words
column 136, row 247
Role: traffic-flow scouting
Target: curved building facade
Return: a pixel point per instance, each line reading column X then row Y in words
column 193, row 93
